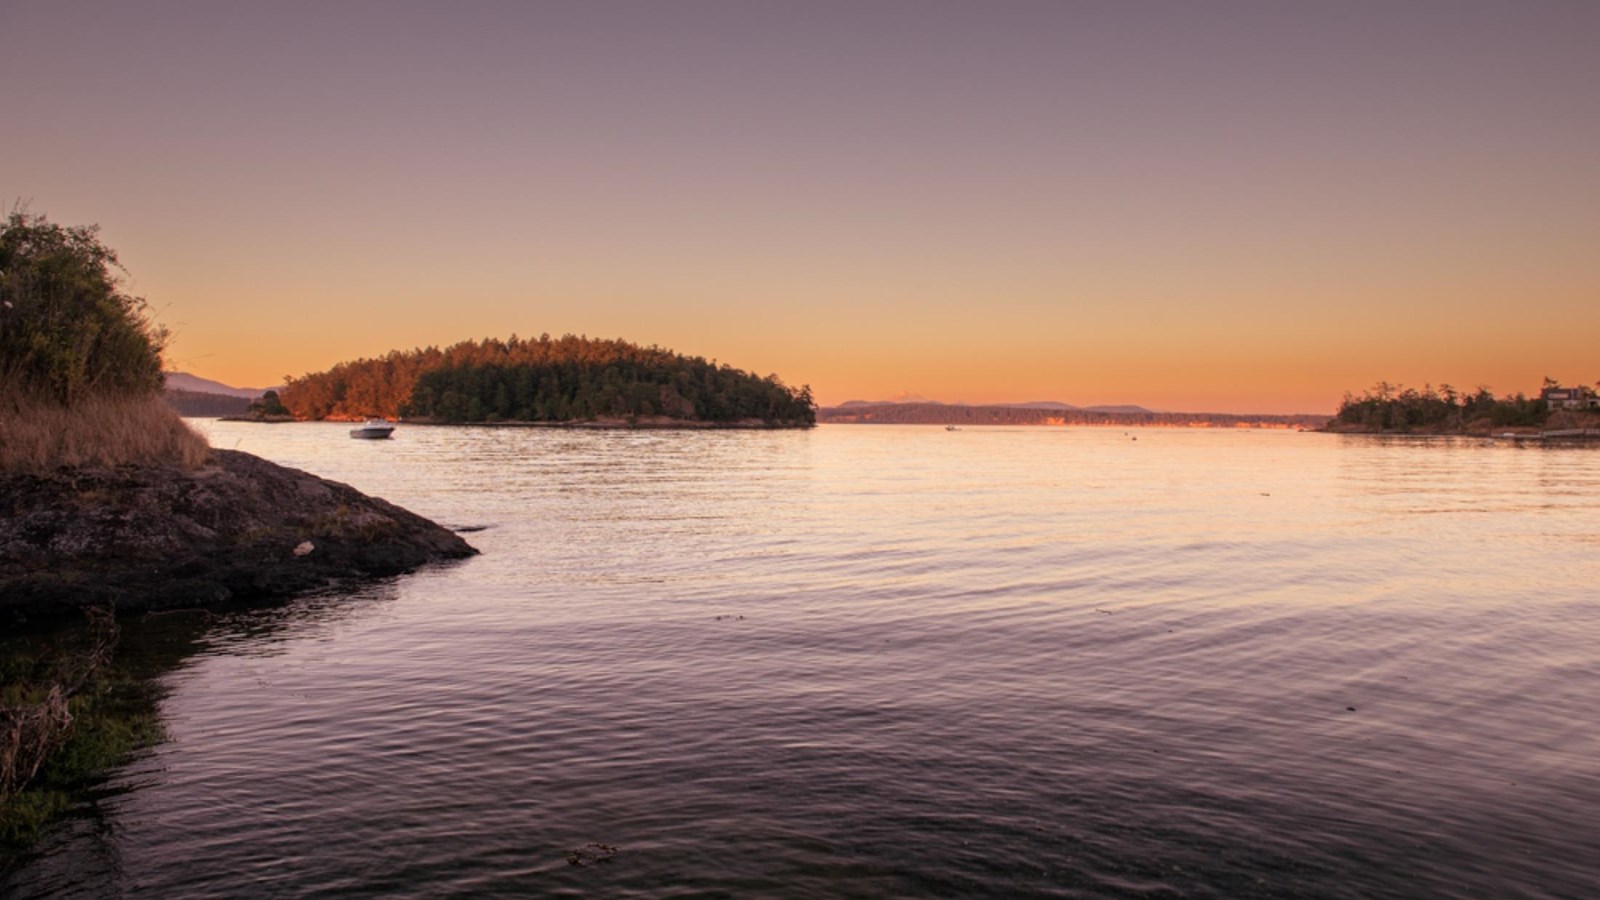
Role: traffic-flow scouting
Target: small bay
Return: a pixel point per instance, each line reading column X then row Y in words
column 896, row 661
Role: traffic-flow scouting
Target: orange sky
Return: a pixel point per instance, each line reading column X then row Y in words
column 1251, row 207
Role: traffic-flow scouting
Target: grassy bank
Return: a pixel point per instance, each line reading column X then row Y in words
column 114, row 429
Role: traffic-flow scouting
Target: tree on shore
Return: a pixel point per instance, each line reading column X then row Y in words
column 268, row 404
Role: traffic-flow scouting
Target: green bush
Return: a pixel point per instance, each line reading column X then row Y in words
column 67, row 329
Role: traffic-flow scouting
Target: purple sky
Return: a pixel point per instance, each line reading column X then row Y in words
column 1240, row 206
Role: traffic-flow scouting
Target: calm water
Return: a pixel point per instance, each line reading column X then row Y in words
column 874, row 661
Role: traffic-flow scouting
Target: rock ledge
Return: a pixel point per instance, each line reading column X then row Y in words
column 153, row 538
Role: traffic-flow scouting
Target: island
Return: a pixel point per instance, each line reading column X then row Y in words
column 568, row 381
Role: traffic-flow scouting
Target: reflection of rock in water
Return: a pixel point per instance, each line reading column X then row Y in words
column 156, row 538
column 111, row 711
column 266, row 625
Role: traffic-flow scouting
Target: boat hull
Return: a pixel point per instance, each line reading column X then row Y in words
column 372, row 432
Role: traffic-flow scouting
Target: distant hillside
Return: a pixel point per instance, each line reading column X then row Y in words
column 562, row 380
column 1058, row 405
column 183, row 381
column 1124, row 409
column 1031, row 404
column 205, row 405
column 942, row 414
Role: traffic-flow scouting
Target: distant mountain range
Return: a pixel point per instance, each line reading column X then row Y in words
column 205, row 406
column 904, row 399
column 192, row 395
column 1048, row 412
column 194, row 384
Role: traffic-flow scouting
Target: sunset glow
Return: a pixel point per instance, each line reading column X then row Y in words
column 1245, row 207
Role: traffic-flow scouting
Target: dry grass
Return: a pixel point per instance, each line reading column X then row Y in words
column 34, row 727
column 38, row 436
column 1573, row 418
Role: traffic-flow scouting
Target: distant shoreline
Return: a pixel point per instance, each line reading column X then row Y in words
column 963, row 416
column 1517, row 433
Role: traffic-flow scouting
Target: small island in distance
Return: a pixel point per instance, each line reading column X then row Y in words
column 571, row 380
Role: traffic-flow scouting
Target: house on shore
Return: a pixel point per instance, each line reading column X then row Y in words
column 1570, row 398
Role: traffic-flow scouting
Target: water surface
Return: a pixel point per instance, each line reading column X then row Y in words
column 879, row 661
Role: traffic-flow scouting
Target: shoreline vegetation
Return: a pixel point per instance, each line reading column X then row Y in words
column 1396, row 409
column 69, row 708
column 570, row 381
column 110, row 499
column 109, row 503
column 80, row 358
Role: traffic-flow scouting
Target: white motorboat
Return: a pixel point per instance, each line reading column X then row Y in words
column 373, row 430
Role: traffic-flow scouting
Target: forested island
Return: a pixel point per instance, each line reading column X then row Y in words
column 567, row 380
column 1444, row 410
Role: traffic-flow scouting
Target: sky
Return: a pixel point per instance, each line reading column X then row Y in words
column 1198, row 206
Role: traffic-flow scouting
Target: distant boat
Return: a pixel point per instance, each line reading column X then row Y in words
column 373, row 430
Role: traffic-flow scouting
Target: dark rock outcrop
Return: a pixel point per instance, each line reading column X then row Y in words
column 238, row 528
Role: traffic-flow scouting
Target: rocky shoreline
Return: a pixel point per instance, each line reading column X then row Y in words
column 238, row 528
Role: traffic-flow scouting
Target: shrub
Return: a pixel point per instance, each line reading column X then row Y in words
column 67, row 329
column 80, row 359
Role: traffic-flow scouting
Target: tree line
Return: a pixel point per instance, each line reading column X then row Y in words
column 566, row 379
column 1390, row 407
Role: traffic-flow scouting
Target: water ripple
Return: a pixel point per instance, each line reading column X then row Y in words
column 876, row 662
